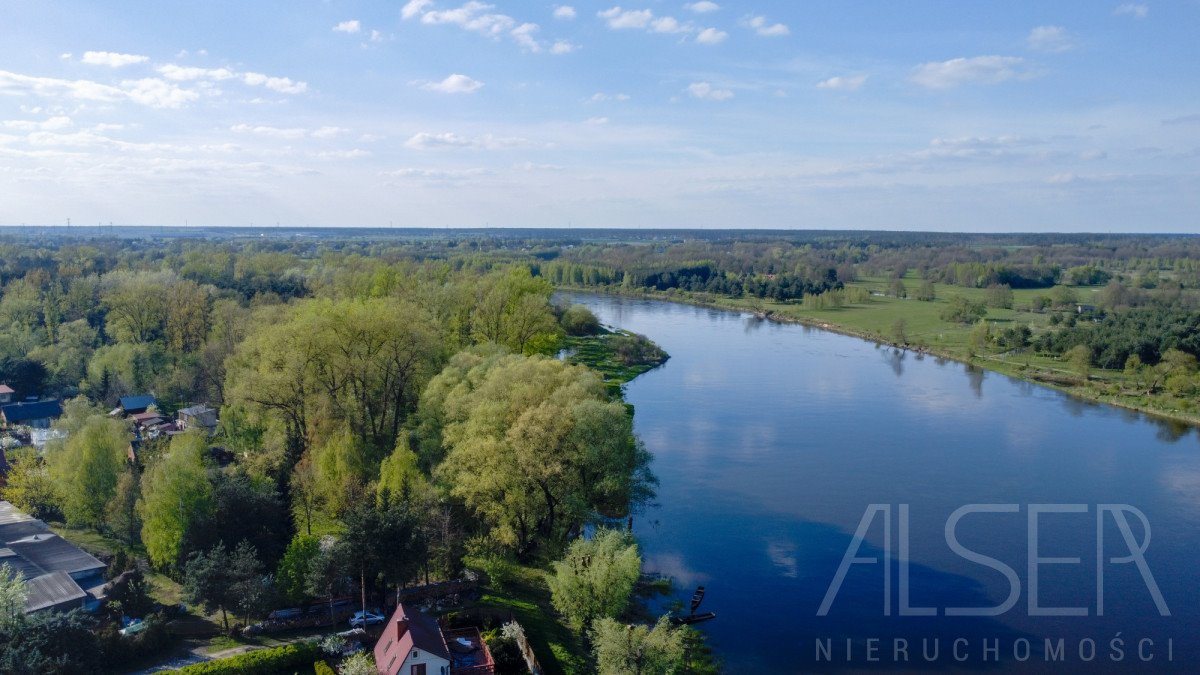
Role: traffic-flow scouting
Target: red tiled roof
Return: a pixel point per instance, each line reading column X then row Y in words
column 5, row 389
column 407, row 630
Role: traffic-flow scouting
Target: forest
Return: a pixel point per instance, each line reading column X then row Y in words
column 392, row 412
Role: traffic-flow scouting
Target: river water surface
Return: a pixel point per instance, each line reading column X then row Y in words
column 771, row 442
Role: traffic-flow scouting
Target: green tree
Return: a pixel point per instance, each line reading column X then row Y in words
column 999, row 295
column 221, row 579
column 12, row 596
column 292, row 574
column 579, row 320
column 897, row 289
column 629, row 649
column 30, row 488
column 596, row 578
column 926, row 292
column 176, row 494
column 122, row 515
column 899, row 332
column 962, row 310
column 86, row 469
column 1080, row 359
column 1135, row 369
column 534, row 445
column 359, row 663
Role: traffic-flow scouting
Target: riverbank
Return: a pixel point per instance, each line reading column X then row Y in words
column 926, row 333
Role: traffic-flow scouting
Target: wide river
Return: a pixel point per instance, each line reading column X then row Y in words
column 774, row 442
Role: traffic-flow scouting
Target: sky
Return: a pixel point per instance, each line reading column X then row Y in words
column 916, row 115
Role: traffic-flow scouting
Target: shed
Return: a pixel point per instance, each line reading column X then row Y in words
column 37, row 414
column 132, row 405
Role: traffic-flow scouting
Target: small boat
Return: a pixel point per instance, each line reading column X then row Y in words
column 693, row 618
column 697, row 598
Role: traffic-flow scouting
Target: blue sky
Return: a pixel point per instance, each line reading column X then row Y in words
column 1028, row 116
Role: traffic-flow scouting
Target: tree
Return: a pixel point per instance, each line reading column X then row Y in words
column 1135, row 369
column 900, row 332
column 999, row 295
column 359, row 663
column 52, row 643
column 121, row 511
column 136, row 304
column 898, row 289
column 926, row 292
column 176, row 494
column 962, row 310
column 1080, row 358
column 579, row 320
column 292, row 574
column 327, row 572
column 12, row 596
column 596, row 578
column 30, row 488
column 622, row 649
column 534, row 445
column 243, row 509
column 86, row 468
column 220, row 579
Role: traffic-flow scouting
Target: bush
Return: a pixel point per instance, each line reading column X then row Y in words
column 579, row 320
column 261, row 662
column 322, row 668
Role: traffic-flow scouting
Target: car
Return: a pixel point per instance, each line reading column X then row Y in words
column 361, row 618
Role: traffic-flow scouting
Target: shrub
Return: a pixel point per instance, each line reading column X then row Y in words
column 322, row 668
column 261, row 662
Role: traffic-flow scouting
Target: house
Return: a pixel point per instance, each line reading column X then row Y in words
column 133, row 405
column 58, row 574
column 35, row 414
column 6, row 394
column 414, row 644
column 197, row 417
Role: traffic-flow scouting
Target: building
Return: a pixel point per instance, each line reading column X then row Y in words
column 35, row 414
column 6, row 394
column 133, row 405
column 197, row 417
column 58, row 574
column 414, row 644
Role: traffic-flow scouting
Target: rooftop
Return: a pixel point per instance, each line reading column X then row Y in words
column 19, row 412
column 137, row 402
column 51, row 590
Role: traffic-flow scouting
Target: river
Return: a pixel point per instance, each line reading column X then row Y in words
column 773, row 441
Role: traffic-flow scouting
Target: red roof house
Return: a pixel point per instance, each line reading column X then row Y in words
column 414, row 644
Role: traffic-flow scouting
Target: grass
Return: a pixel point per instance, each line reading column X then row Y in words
column 598, row 353
column 527, row 597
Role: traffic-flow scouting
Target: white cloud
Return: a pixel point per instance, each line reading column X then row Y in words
column 711, row 36
column 282, row 85
column 601, row 96
column 329, row 132
column 476, row 17
column 272, row 132
column 429, row 141
column 376, row 36
column 52, row 124
column 704, row 90
column 596, row 121
column 151, row 92
column 187, row 73
column 1132, row 9
column 668, row 24
column 413, row 8
column 1053, row 39
column 618, row 18
column 840, row 83
column 702, row 7
column 156, row 93
column 523, row 35
column 351, row 26
column 765, row 28
column 563, row 47
column 437, row 174
column 454, row 84
column 977, row 69
column 564, row 12
column 112, row 59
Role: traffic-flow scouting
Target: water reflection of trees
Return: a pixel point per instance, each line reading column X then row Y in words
column 975, row 377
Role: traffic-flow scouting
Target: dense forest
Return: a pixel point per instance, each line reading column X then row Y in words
column 391, row 410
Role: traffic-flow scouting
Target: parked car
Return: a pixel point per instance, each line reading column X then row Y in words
column 361, row 618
